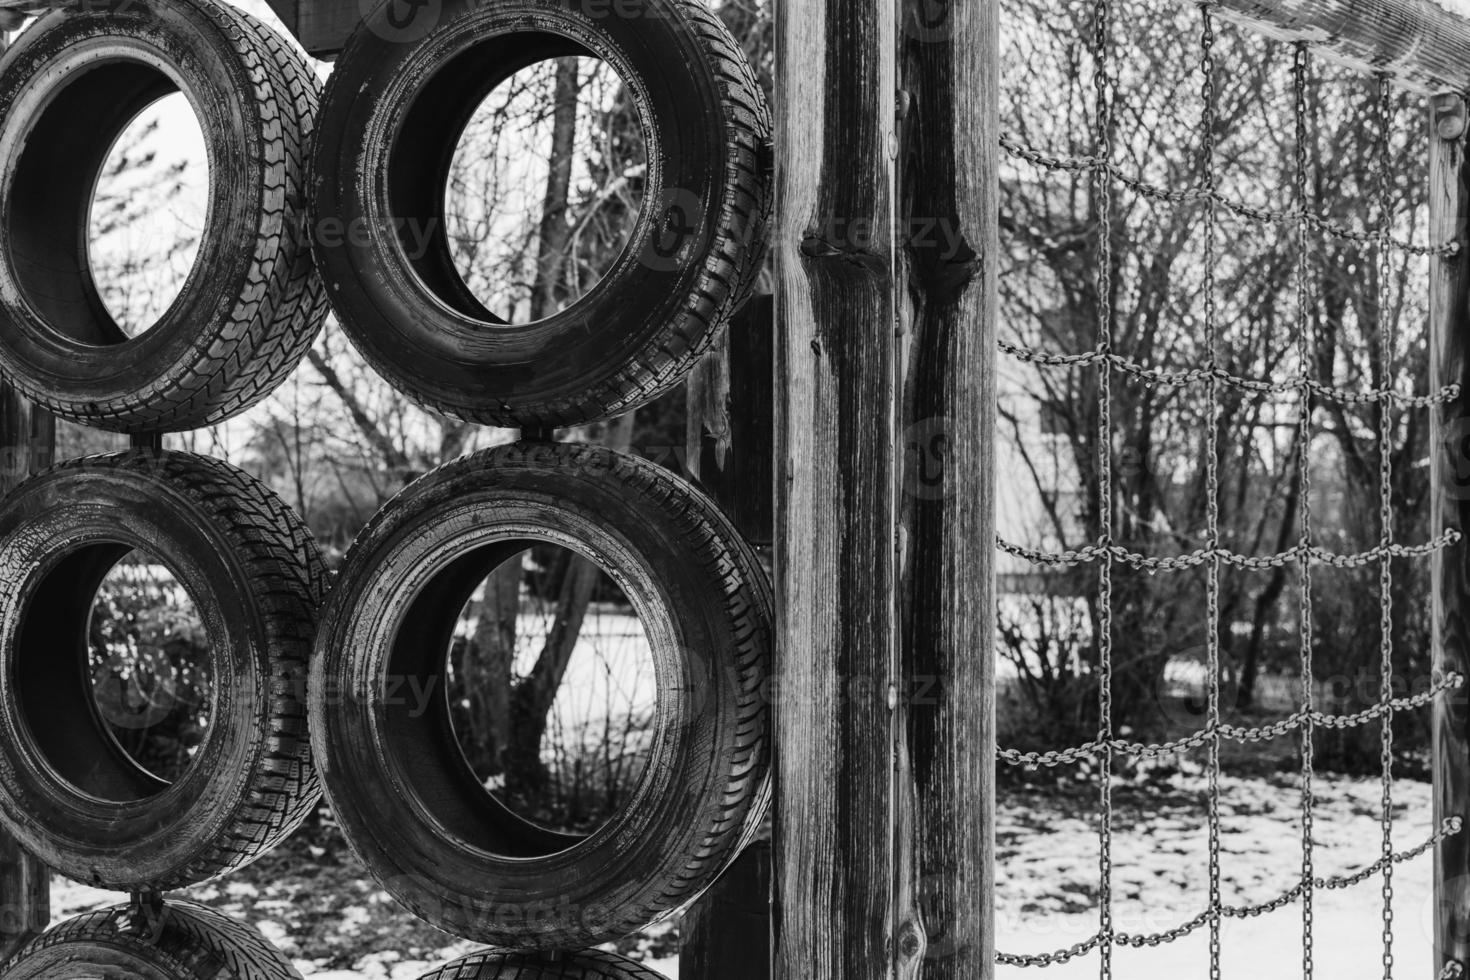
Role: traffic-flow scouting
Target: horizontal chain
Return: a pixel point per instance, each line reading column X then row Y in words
column 1181, row 379
column 1089, row 164
column 1449, row 828
column 1235, row 733
column 1152, row 563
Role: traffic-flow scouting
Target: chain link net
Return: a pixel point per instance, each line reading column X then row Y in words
column 1302, row 222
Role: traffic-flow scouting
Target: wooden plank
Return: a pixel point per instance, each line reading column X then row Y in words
column 730, row 431
column 25, row 884
column 836, row 674
column 729, row 449
column 288, row 11
column 1450, row 508
column 1425, row 47
column 727, row 934
column 28, row 438
column 323, row 26
column 948, row 172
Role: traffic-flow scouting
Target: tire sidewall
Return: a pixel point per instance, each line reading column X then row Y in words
column 196, row 943
column 190, row 42
column 153, row 840
column 515, row 373
column 610, row 883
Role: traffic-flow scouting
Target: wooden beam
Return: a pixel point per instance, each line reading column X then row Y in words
column 730, row 422
column 28, row 438
column 727, row 934
column 1425, row 47
column 949, row 175
column 25, row 890
column 836, row 674
column 1449, row 324
column 323, row 26
column 729, row 450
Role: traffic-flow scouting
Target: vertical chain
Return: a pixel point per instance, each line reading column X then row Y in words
column 1104, row 191
column 1304, row 341
column 1212, row 468
column 1385, row 505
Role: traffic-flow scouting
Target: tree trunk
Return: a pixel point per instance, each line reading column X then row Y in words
column 485, row 669
column 555, row 229
column 1266, row 600
column 533, row 697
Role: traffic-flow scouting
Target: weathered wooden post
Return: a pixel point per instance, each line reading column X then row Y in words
column 949, row 136
column 836, row 477
column 1449, row 341
column 885, row 245
column 28, row 438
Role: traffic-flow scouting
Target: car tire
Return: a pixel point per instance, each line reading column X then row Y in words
column 251, row 305
column 392, row 114
column 191, row 943
column 69, row 792
column 391, row 766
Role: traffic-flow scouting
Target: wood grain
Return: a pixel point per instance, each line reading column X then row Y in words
column 1450, row 508
column 1418, row 42
column 949, row 215
column 28, row 438
column 836, row 470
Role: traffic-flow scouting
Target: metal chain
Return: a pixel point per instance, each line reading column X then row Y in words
column 1103, row 150
column 1304, row 338
column 1212, row 471
column 1193, row 559
column 1385, row 506
column 1447, row 829
column 1296, row 721
column 1305, row 554
column 1180, row 379
column 1229, row 205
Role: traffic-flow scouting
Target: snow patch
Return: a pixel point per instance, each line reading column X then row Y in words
column 1460, row 7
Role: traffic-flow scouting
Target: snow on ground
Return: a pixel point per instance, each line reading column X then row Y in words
column 336, row 924
column 1048, row 874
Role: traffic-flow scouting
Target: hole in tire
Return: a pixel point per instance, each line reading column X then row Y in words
column 545, row 188
column 566, row 756
column 148, row 213
column 148, row 659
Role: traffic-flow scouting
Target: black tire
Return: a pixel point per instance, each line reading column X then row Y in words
column 406, row 799
column 68, row 791
column 592, row 964
column 195, row 943
column 694, row 253
column 252, row 303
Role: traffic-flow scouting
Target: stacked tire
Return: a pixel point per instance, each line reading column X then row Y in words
column 69, row 793
column 392, row 114
column 302, row 706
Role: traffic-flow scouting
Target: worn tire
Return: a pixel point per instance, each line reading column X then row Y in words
column 196, row 943
column 252, row 303
column 68, row 791
column 592, row 964
column 694, row 252
column 408, row 802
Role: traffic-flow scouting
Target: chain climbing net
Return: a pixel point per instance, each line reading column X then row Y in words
column 1303, row 224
